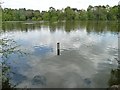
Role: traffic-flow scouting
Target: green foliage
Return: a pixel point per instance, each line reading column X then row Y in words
column 115, row 77
column 0, row 18
column 45, row 16
column 67, row 14
column 7, row 48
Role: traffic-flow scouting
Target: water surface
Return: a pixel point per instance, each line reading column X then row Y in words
column 88, row 53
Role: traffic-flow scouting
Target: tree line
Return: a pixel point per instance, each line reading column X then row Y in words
column 92, row 13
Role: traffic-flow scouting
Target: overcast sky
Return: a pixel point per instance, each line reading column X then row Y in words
column 58, row 4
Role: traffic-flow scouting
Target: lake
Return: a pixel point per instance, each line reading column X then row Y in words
column 88, row 53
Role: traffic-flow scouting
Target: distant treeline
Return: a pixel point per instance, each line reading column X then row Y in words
column 92, row 13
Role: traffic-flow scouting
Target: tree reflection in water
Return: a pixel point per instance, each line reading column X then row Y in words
column 8, row 47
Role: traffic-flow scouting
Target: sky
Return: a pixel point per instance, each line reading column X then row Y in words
column 57, row 4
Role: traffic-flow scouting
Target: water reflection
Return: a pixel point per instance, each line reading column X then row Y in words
column 39, row 80
column 88, row 52
column 91, row 26
column 42, row 50
column 23, row 26
column 8, row 48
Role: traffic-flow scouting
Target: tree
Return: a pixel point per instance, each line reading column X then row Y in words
column 90, row 13
column 68, row 14
column 45, row 16
column 52, row 14
column 36, row 15
column 83, row 15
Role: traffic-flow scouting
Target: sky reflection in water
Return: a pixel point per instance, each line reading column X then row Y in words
column 86, row 58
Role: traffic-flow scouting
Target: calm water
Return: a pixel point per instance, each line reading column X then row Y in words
column 88, row 53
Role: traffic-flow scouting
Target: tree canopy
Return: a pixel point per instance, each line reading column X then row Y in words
column 68, row 14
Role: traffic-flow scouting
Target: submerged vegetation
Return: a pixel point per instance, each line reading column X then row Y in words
column 92, row 13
